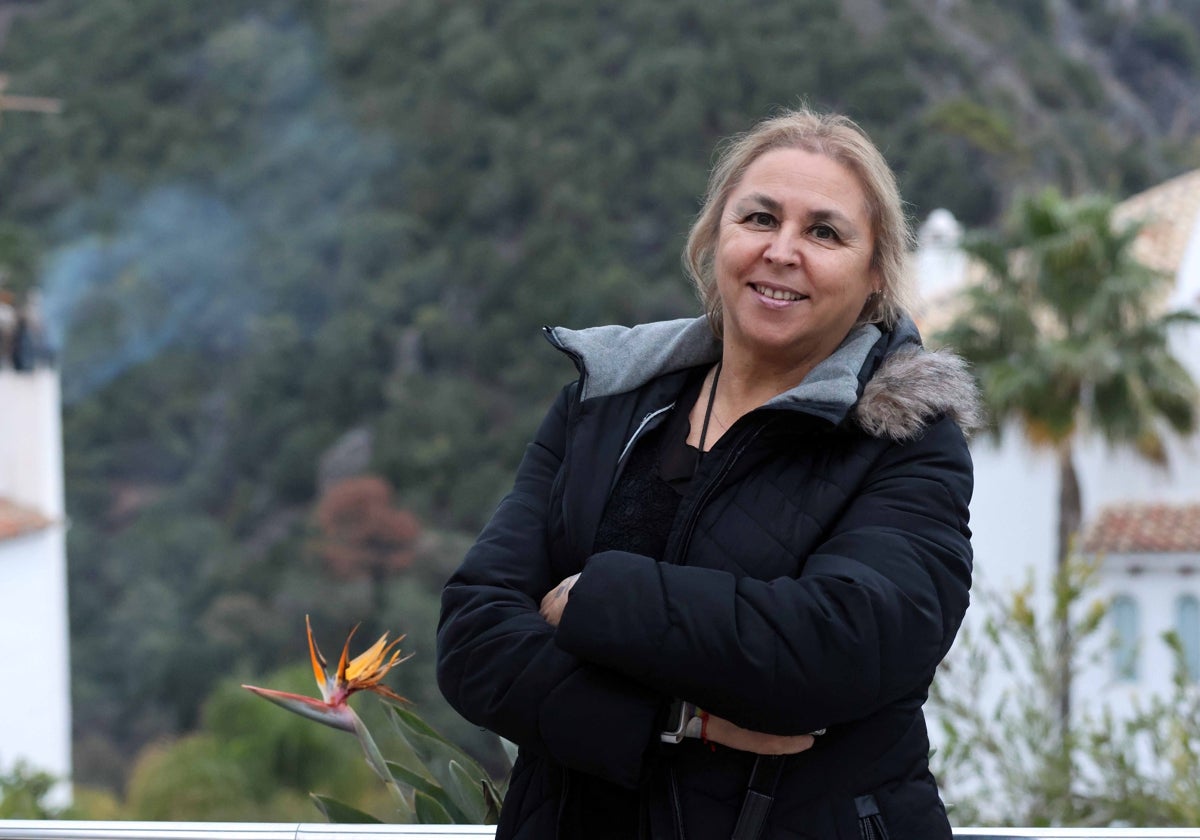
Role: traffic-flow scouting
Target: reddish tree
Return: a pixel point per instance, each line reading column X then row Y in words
column 361, row 533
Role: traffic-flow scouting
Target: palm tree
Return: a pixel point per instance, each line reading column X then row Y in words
column 1068, row 337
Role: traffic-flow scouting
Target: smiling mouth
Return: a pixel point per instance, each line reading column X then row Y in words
column 777, row 294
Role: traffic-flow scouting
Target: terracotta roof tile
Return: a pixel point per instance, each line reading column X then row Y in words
column 1129, row 529
column 16, row 520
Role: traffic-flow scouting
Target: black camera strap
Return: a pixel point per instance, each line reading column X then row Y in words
column 760, row 795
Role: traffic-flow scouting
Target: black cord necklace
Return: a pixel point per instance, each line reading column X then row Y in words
column 712, row 397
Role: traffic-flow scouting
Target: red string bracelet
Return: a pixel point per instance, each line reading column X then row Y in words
column 704, row 730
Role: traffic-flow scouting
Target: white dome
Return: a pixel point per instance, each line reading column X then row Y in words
column 941, row 229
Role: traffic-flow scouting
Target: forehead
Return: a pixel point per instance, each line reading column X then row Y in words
column 801, row 175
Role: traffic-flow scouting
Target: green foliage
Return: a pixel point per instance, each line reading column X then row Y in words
column 30, row 794
column 1010, row 761
column 18, row 258
column 982, row 127
column 188, row 780
column 1004, row 759
column 340, row 812
column 1170, row 38
column 1166, row 790
column 23, row 794
column 1034, row 12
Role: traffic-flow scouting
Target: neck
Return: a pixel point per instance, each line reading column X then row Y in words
column 742, row 386
column 746, row 382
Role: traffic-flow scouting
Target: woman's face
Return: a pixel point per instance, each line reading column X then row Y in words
column 793, row 258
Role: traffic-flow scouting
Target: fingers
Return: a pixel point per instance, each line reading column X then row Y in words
column 555, row 601
column 785, row 744
column 726, row 733
column 551, row 608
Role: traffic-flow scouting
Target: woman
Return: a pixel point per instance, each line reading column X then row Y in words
column 762, row 512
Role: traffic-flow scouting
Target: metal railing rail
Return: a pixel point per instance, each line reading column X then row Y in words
column 97, row 830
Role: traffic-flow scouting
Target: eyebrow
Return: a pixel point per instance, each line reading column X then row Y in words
column 764, row 201
column 768, row 203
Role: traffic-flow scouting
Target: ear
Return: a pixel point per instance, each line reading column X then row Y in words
column 876, row 282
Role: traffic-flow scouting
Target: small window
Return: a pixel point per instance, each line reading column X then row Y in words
column 1125, row 649
column 1187, row 625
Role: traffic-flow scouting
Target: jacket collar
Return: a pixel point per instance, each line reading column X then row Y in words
column 885, row 382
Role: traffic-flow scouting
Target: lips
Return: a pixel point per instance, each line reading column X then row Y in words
column 773, row 293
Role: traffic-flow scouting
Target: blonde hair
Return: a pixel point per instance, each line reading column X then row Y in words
column 838, row 138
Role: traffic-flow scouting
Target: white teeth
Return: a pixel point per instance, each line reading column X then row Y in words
column 778, row 294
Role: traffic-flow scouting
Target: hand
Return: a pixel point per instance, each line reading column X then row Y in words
column 556, row 600
column 728, row 734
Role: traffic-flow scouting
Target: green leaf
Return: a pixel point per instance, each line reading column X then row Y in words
column 374, row 757
column 432, row 749
column 494, row 800
column 403, row 753
column 467, row 790
column 430, row 812
column 414, row 722
column 419, row 783
column 339, row 812
column 414, row 780
column 510, row 750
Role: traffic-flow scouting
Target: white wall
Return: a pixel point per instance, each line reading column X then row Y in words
column 31, row 440
column 35, row 705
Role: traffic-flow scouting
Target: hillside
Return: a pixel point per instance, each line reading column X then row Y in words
column 284, row 242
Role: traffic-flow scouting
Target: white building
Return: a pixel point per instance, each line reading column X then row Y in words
column 1128, row 504
column 35, row 704
column 1150, row 556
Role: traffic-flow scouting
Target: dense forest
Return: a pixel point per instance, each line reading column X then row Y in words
column 294, row 256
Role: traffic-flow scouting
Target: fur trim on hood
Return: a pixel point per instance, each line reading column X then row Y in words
column 912, row 387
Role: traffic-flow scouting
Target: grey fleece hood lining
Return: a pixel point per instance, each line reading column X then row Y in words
column 911, row 386
column 615, row 359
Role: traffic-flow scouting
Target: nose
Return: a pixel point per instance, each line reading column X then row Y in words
column 783, row 248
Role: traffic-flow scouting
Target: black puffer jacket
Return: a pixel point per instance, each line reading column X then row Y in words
column 816, row 573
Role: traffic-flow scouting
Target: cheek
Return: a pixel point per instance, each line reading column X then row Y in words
column 727, row 265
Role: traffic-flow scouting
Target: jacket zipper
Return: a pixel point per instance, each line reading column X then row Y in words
column 649, row 422
column 870, row 821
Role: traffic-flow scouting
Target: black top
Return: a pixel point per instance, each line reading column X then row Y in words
column 642, row 505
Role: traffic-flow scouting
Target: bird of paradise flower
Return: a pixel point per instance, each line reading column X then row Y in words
column 434, row 782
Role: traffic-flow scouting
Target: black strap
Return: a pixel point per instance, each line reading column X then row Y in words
column 760, row 795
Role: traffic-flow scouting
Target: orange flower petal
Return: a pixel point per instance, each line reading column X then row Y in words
column 318, row 661
column 368, row 660
column 341, row 670
column 387, row 692
column 366, row 664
